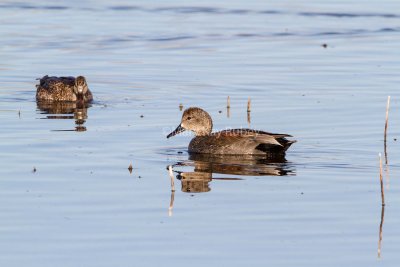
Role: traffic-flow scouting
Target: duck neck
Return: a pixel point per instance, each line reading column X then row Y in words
column 205, row 130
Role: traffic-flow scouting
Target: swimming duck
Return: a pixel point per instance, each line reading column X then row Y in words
column 63, row 89
column 228, row 142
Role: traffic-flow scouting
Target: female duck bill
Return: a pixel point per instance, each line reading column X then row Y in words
column 178, row 130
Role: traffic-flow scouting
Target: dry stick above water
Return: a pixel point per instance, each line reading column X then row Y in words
column 248, row 111
column 228, row 107
column 381, row 180
column 380, row 231
column 171, row 175
column 386, row 126
column 387, row 117
column 385, row 144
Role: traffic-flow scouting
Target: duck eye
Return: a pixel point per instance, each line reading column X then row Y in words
column 189, row 118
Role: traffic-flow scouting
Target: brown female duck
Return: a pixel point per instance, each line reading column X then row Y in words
column 228, row 142
column 63, row 89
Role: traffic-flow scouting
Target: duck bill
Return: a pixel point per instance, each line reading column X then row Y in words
column 178, row 129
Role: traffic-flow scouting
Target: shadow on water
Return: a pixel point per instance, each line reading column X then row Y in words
column 66, row 110
column 207, row 166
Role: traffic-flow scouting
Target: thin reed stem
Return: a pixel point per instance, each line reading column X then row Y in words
column 381, row 180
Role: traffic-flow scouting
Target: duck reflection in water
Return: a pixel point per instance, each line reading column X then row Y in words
column 206, row 166
column 66, row 110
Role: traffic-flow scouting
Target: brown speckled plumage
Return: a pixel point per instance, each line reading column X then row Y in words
column 229, row 142
column 52, row 88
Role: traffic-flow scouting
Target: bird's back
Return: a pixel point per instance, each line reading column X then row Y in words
column 56, row 89
column 240, row 142
column 52, row 88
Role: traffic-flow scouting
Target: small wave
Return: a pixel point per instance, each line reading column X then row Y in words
column 171, row 38
column 125, row 8
column 189, row 9
column 389, row 30
column 28, row 6
column 357, row 32
column 347, row 15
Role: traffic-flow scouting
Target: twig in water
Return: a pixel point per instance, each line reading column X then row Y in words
column 171, row 175
column 171, row 204
column 380, row 231
column 249, row 105
column 387, row 117
column 228, row 107
column 384, row 143
column 381, row 180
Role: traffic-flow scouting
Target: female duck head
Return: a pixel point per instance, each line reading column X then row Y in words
column 196, row 120
column 80, row 87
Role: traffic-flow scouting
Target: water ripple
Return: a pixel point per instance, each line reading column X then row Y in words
column 202, row 10
column 347, row 15
column 29, row 6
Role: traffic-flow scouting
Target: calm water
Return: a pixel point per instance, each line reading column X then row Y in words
column 68, row 199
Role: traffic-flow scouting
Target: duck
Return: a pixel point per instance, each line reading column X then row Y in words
column 228, row 142
column 51, row 88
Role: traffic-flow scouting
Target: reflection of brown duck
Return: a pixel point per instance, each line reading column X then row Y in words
column 232, row 142
column 240, row 165
column 205, row 166
column 66, row 110
column 63, row 89
column 195, row 182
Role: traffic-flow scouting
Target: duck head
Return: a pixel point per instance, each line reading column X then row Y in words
column 80, row 87
column 196, row 120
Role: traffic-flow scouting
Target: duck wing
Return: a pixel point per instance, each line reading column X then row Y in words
column 56, row 82
column 264, row 141
column 55, row 88
column 240, row 141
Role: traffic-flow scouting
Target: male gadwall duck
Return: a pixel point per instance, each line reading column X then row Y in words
column 228, row 142
column 63, row 89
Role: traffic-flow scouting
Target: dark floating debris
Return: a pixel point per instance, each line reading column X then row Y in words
column 324, row 45
column 180, row 152
column 34, row 169
column 141, row 116
column 220, row 111
column 130, row 168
